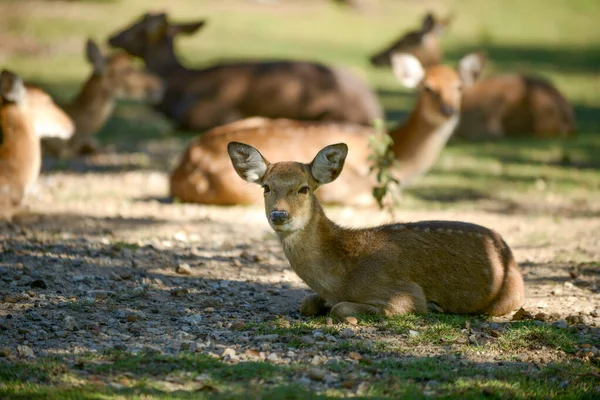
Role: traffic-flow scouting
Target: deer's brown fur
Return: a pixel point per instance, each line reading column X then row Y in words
column 203, row 174
column 20, row 154
column 200, row 99
column 514, row 105
column 391, row 269
column 112, row 77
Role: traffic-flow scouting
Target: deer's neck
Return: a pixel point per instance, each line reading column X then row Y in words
column 162, row 60
column 20, row 152
column 92, row 107
column 316, row 252
column 419, row 141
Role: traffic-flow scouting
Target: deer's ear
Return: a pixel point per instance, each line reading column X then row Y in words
column 12, row 87
column 470, row 67
column 428, row 22
column 408, row 69
column 186, row 29
column 95, row 56
column 249, row 164
column 328, row 163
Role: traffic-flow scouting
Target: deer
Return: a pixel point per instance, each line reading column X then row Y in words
column 512, row 105
column 112, row 77
column 423, row 43
column 201, row 99
column 387, row 270
column 203, row 174
column 20, row 152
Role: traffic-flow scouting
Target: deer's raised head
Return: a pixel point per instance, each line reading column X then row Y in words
column 422, row 42
column 288, row 186
column 117, row 75
column 150, row 31
column 440, row 86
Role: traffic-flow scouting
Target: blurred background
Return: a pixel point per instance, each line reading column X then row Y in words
column 556, row 39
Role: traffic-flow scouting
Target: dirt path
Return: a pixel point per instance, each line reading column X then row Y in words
column 102, row 263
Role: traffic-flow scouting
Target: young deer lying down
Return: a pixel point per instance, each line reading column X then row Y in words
column 112, row 77
column 20, row 154
column 200, row 99
column 390, row 269
column 205, row 176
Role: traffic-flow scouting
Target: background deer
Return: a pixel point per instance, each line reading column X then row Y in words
column 204, row 175
column 515, row 105
column 389, row 270
column 20, row 153
column 424, row 43
column 112, row 77
column 199, row 99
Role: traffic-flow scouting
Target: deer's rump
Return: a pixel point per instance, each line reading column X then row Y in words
column 200, row 100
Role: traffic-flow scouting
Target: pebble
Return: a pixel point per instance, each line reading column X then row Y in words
column 239, row 325
column 101, row 294
column 316, row 374
column 61, row 334
column 307, row 340
column 347, row 333
column 354, row 355
column 24, row 351
column 595, row 313
column 561, row 324
column 38, row 284
column 138, row 291
column 179, row 292
column 209, row 309
column 329, row 321
column 412, row 333
column 351, row 320
column 184, row 269
column 266, row 338
column 15, row 298
column 5, row 352
column 228, row 353
column 69, row 323
column 273, row 357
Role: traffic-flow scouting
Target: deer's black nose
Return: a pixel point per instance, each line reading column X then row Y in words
column 447, row 110
column 279, row 217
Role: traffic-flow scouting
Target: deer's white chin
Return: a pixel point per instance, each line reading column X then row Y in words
column 288, row 227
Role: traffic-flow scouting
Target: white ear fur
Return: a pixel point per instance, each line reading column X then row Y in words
column 408, row 69
column 249, row 164
column 470, row 67
column 328, row 163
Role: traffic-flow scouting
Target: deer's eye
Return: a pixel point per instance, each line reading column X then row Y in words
column 266, row 188
column 303, row 190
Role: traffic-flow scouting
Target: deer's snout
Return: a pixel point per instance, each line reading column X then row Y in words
column 279, row 217
column 447, row 110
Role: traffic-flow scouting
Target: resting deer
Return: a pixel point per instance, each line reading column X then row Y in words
column 20, row 154
column 388, row 270
column 514, row 105
column 204, row 175
column 200, row 99
column 424, row 43
column 112, row 77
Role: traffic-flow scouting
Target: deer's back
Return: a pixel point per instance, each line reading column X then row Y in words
column 287, row 89
column 205, row 173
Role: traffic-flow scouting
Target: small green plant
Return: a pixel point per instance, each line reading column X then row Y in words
column 383, row 162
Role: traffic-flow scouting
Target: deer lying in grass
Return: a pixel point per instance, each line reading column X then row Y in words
column 424, row 43
column 200, row 99
column 389, row 270
column 20, row 154
column 514, row 105
column 112, row 77
column 204, row 175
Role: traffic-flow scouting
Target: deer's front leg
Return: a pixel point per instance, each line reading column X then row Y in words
column 313, row 305
column 346, row 309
